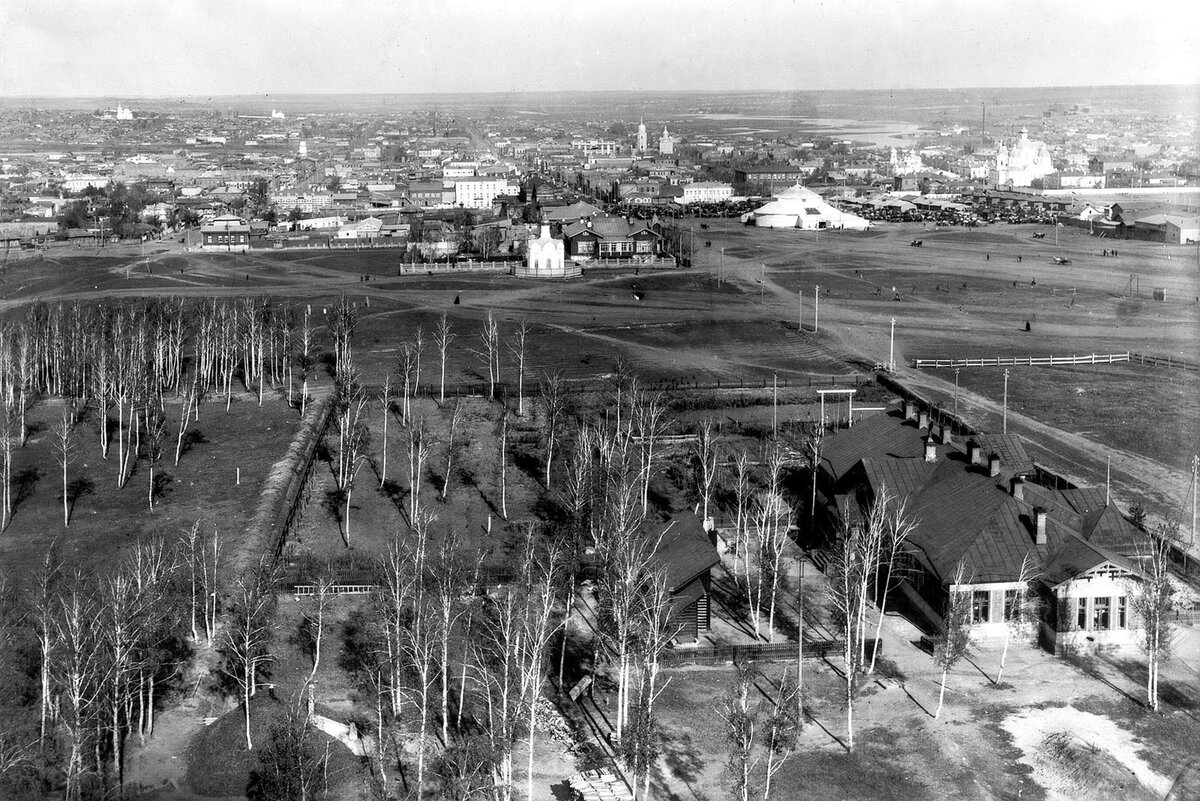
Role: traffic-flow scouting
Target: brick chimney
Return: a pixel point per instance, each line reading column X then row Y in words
column 974, row 452
column 923, row 420
column 930, row 450
column 1039, row 518
column 947, row 434
column 993, row 465
column 910, row 409
column 1018, row 488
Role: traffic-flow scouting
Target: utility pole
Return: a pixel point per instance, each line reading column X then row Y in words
column 721, row 269
column 955, row 390
column 1004, row 418
column 816, row 308
column 892, row 353
column 1195, row 472
column 801, row 293
column 1107, row 479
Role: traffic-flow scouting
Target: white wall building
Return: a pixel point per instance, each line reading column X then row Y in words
column 666, row 145
column 478, row 192
column 706, row 192
column 546, row 258
column 1021, row 164
column 363, row 229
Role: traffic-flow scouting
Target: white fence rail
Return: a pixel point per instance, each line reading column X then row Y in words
column 1022, row 361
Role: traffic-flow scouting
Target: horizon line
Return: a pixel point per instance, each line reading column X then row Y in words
column 502, row 92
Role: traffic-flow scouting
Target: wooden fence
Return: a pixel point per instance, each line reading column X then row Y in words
column 1164, row 361
column 1022, row 361
column 533, row 388
column 442, row 267
column 1171, row 362
column 766, row 652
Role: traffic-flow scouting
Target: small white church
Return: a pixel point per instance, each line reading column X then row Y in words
column 545, row 257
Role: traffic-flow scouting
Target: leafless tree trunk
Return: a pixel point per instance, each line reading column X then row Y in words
column 554, row 397
column 249, row 633
column 64, row 446
column 489, row 337
column 442, row 337
column 418, row 452
column 708, row 455
column 504, row 464
column 323, row 596
column 385, row 401
column 1152, row 602
column 518, row 349
column 455, row 416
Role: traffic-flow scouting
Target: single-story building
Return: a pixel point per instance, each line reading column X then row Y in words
column 977, row 503
column 688, row 554
column 230, row 234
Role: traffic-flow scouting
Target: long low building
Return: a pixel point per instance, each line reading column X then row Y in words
column 799, row 207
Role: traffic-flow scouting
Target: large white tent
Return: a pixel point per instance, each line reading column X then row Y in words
column 798, row 207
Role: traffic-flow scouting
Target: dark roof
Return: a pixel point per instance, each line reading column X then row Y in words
column 1014, row 461
column 876, row 436
column 1077, row 556
column 576, row 211
column 962, row 514
column 686, row 551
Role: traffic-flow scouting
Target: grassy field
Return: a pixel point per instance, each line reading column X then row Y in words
column 106, row 520
column 747, row 314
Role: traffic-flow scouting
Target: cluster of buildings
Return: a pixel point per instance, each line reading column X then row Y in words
column 369, row 175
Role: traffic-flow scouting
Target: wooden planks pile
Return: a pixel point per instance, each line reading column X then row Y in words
column 600, row 785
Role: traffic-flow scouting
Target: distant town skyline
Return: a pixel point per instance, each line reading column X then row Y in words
column 139, row 48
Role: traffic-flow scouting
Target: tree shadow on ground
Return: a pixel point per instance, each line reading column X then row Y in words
column 1168, row 693
column 77, row 489
column 191, row 439
column 23, row 485
column 685, row 762
column 164, row 484
column 726, row 591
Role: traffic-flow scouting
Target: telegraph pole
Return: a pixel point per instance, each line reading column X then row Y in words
column 956, row 390
column 892, row 356
column 816, row 308
column 1195, row 472
column 1004, row 418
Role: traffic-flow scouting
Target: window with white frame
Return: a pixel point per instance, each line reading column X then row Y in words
column 981, row 606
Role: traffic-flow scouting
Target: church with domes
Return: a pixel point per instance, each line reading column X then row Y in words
column 1027, row 160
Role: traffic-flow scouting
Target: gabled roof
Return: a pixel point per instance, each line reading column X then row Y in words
column 1076, row 557
column 576, row 211
column 1014, row 461
column 876, row 436
column 964, row 515
column 686, row 551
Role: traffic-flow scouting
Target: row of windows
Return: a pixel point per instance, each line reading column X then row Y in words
column 1101, row 614
column 224, row 239
column 1091, row 614
column 981, row 605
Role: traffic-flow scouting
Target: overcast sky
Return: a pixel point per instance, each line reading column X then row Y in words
column 130, row 48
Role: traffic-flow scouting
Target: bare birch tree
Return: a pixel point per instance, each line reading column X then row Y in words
column 64, row 447
column 452, row 430
column 1152, row 601
column 954, row 641
column 554, row 399
column 442, row 337
column 517, row 346
column 707, row 456
column 249, row 634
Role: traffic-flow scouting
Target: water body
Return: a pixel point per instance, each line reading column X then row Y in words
column 881, row 133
